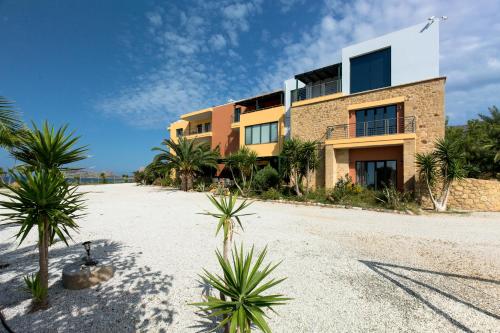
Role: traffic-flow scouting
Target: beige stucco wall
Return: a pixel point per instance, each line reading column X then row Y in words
column 424, row 100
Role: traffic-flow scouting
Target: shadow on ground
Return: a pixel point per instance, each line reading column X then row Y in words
column 442, row 292
column 135, row 299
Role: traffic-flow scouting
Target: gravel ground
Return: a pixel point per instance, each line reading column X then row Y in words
column 348, row 270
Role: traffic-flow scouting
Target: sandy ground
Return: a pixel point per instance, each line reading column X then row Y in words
column 348, row 270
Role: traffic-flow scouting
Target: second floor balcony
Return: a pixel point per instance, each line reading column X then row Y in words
column 376, row 127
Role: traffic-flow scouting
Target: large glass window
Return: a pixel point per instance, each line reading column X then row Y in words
column 371, row 71
column 376, row 121
column 262, row 133
column 376, row 174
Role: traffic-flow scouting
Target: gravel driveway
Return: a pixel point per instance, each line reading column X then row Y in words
column 348, row 270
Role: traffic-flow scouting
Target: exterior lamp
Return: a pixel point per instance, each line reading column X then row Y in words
column 88, row 259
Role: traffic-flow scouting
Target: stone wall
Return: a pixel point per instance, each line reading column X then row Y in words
column 424, row 100
column 476, row 195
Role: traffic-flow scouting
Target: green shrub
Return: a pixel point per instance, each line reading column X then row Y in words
column 391, row 198
column 266, row 178
column 271, row 194
column 34, row 287
column 343, row 189
column 318, row 195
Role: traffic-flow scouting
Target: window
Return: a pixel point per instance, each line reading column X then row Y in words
column 376, row 121
column 199, row 128
column 262, row 133
column 376, row 174
column 207, row 127
column 371, row 71
column 178, row 132
column 236, row 115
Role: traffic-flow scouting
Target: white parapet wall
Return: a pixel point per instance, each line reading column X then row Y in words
column 414, row 54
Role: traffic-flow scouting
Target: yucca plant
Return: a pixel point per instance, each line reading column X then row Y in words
column 47, row 148
column 44, row 201
column 11, row 127
column 228, row 214
column 34, row 287
column 245, row 162
column 243, row 283
column 445, row 165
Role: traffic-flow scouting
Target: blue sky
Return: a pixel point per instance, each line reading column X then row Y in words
column 119, row 71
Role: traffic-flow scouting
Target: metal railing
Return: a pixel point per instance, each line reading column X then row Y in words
column 317, row 90
column 196, row 131
column 235, row 119
column 370, row 128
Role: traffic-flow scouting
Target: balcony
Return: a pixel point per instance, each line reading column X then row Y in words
column 382, row 127
column 317, row 90
column 198, row 133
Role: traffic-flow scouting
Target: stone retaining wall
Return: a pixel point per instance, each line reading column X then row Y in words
column 476, row 195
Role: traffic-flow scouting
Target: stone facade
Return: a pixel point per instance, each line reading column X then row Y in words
column 424, row 100
column 475, row 195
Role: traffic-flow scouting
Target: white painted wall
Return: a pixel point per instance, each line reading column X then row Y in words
column 289, row 85
column 414, row 54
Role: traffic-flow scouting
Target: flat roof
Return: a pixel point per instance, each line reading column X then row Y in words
column 260, row 96
column 319, row 73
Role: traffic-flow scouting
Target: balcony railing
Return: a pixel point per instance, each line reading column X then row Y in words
column 196, row 131
column 370, row 128
column 317, row 90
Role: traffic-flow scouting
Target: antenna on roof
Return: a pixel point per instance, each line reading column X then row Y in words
column 431, row 20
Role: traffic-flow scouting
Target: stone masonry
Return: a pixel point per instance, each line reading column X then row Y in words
column 475, row 194
column 424, row 100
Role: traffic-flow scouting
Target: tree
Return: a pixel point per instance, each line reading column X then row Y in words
column 11, row 127
column 125, row 178
column 43, row 201
column 245, row 162
column 443, row 166
column 243, row 284
column 480, row 142
column 227, row 213
column 102, row 175
column 299, row 158
column 42, row 198
column 187, row 158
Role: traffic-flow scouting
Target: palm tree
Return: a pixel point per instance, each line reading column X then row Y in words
column 243, row 284
column 493, row 123
column 309, row 160
column 11, row 128
column 49, row 149
column 227, row 213
column 291, row 155
column 187, row 158
column 42, row 198
column 245, row 161
column 102, row 175
column 45, row 202
column 443, row 165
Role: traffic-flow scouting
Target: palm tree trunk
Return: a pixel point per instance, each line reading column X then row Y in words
column 43, row 260
column 226, row 248
column 235, row 182
column 183, row 182
column 296, row 181
column 189, row 185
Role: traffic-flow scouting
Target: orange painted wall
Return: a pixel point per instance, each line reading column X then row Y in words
column 222, row 133
column 377, row 154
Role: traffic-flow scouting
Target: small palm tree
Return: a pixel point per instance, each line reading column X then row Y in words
column 48, row 148
column 243, row 285
column 187, row 158
column 227, row 213
column 42, row 201
column 291, row 155
column 443, row 165
column 244, row 161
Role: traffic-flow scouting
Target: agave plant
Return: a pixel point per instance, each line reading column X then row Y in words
column 243, row 285
column 34, row 287
column 44, row 201
column 227, row 213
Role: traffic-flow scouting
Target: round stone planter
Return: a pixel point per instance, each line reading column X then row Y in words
column 78, row 276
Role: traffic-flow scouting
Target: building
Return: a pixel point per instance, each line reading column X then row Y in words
column 381, row 102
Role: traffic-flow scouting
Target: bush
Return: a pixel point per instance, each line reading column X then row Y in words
column 271, row 194
column 266, row 178
column 319, row 195
column 34, row 287
column 391, row 198
column 343, row 189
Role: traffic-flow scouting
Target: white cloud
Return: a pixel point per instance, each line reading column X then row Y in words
column 155, row 19
column 217, row 41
